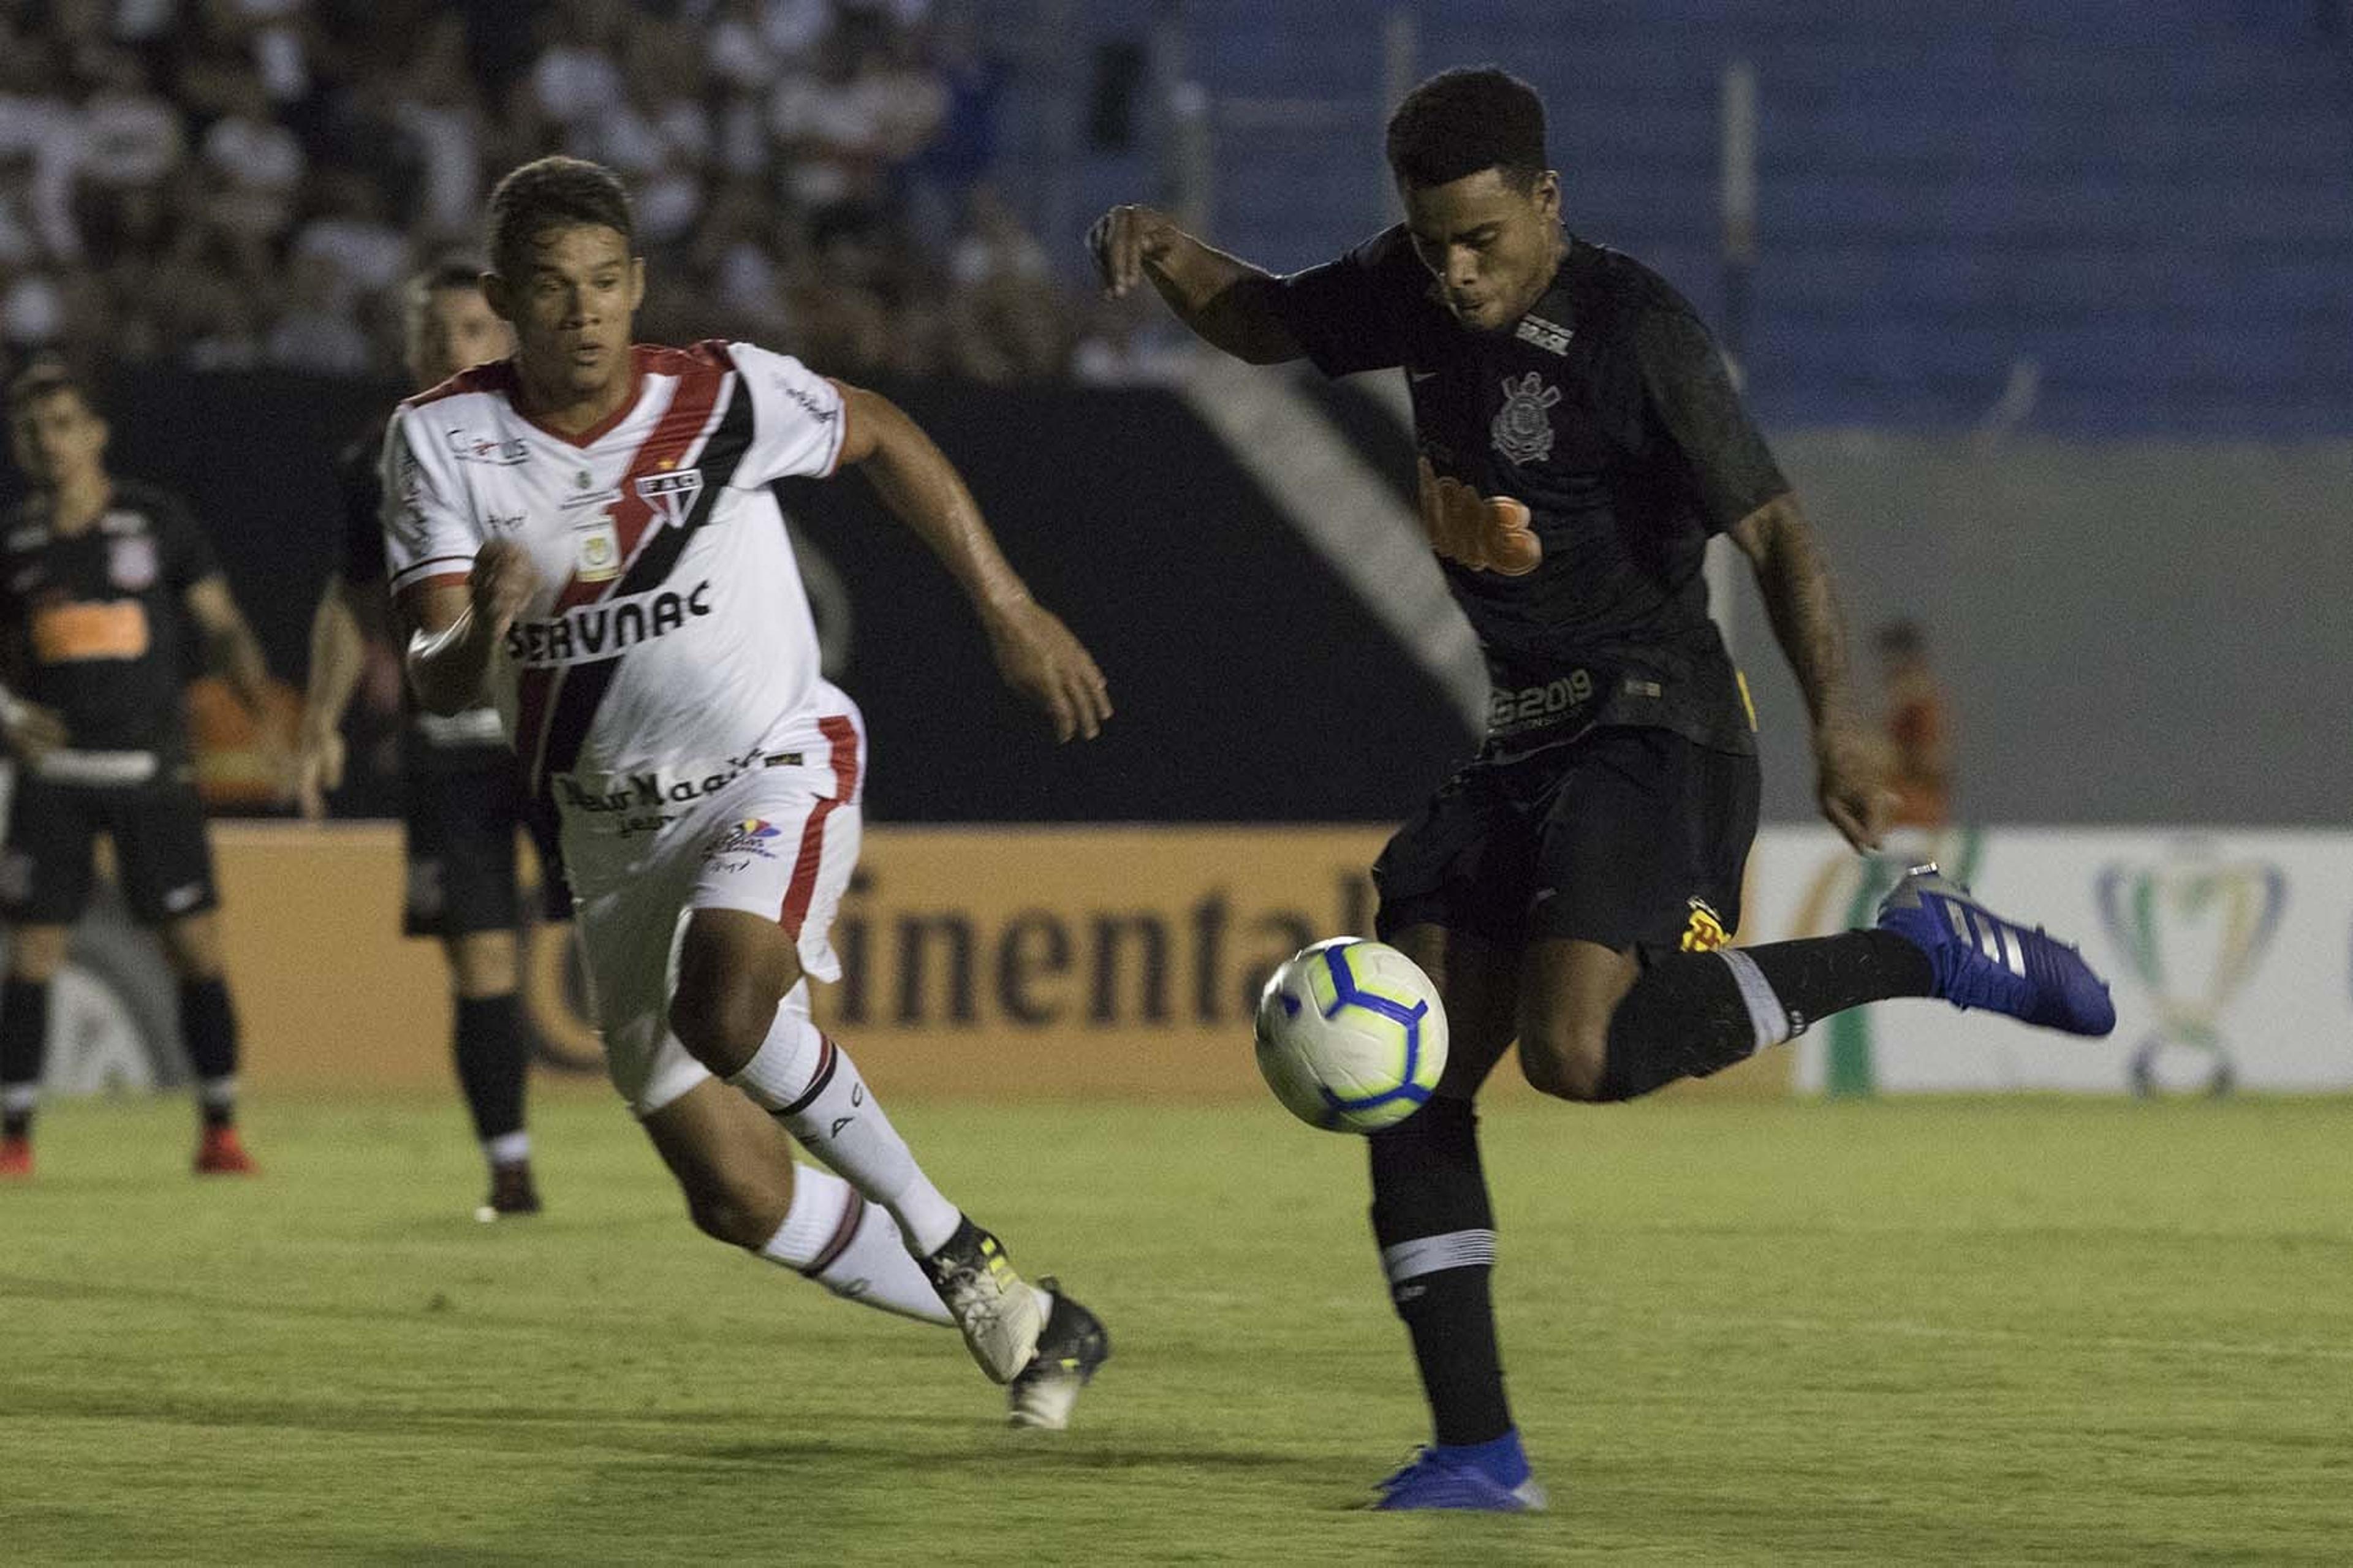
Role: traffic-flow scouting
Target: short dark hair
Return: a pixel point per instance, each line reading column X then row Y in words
column 553, row 193
column 441, row 274
column 1463, row 121
column 46, row 378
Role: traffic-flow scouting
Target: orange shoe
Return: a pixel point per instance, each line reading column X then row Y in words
column 220, row 1154
column 15, row 1159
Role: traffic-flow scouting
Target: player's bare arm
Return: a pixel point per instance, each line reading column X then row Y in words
column 1035, row 651
column 455, row 628
column 1222, row 298
column 231, row 650
column 1851, row 784
column 338, row 651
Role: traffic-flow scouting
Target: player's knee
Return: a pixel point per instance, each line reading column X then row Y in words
column 482, row 963
column 736, row 1213
column 722, row 1025
column 1566, row 1062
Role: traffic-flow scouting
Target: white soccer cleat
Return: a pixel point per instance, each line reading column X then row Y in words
column 1000, row 1313
column 1072, row 1346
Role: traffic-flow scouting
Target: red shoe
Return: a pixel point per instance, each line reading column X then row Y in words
column 220, row 1154
column 15, row 1159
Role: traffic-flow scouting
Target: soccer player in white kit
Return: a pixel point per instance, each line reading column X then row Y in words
column 586, row 526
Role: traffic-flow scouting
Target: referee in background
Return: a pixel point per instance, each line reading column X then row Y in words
column 107, row 587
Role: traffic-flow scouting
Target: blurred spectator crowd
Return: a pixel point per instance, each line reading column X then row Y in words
column 231, row 183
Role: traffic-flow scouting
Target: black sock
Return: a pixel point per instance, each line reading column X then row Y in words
column 1692, row 1014
column 1437, row 1235
column 24, row 1049
column 208, row 1028
column 491, row 1063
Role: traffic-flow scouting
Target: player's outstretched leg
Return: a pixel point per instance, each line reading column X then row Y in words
column 741, row 1008
column 1981, row 959
column 815, row 1091
column 856, row 1249
column 1692, row 1014
column 1036, row 1337
column 742, row 1186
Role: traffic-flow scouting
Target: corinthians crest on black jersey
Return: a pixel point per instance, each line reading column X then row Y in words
column 1571, row 470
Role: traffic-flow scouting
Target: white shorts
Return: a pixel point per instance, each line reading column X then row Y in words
column 777, row 839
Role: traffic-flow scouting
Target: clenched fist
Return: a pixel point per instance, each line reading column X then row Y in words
column 1123, row 240
column 502, row 582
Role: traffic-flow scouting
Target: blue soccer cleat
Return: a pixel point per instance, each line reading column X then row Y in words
column 1442, row 1478
column 1981, row 959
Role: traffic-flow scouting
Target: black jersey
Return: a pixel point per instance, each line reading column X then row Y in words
column 98, row 620
column 430, row 743
column 1571, row 472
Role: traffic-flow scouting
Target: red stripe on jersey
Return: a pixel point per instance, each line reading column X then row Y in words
column 843, row 737
column 679, row 427
column 498, row 375
column 674, row 435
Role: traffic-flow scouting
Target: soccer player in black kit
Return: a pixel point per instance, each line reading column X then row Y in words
column 463, row 794
column 1572, row 887
column 107, row 588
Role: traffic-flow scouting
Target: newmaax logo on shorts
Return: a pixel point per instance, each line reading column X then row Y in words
column 608, row 629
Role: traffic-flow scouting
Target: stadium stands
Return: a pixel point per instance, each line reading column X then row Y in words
column 2148, row 200
column 2137, row 210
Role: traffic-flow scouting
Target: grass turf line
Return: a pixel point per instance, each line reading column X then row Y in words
column 2016, row 1330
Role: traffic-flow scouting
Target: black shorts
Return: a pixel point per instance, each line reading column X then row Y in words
column 1628, row 837
column 460, row 828
column 162, row 857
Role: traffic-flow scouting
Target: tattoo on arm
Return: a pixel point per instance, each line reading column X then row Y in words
column 1802, row 606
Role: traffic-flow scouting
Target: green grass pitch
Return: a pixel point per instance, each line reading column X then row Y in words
column 1974, row 1331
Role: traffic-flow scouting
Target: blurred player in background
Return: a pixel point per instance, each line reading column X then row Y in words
column 1572, row 888
column 1919, row 738
column 105, row 584
column 463, row 798
column 588, row 526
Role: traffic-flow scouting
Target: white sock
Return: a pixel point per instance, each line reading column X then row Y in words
column 809, row 1084
column 20, row 1098
column 217, row 1093
column 833, row 1236
column 1766, row 1015
column 507, row 1148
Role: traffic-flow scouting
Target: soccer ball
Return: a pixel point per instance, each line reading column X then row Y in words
column 1351, row 1035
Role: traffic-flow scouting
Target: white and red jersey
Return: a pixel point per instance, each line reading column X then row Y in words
column 669, row 632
